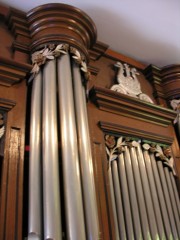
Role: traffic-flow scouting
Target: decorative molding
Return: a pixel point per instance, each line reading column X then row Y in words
column 128, row 82
column 93, row 70
column 18, row 25
column 161, row 154
column 115, row 146
column 16, row 46
column 12, row 72
column 117, row 129
column 153, row 74
column 51, row 52
column 98, row 50
column 122, row 104
column 171, row 81
column 6, row 104
column 120, row 57
column 57, row 23
column 166, row 81
column 171, row 72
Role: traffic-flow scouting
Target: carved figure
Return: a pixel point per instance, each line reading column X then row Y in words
column 129, row 83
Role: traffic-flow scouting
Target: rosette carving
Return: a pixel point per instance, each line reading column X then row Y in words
column 161, row 154
column 115, row 146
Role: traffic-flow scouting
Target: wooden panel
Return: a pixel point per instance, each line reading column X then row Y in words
column 101, row 182
column 14, row 101
column 11, row 199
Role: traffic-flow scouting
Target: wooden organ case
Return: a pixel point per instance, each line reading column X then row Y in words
column 134, row 144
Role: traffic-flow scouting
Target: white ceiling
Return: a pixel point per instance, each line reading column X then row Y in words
column 147, row 30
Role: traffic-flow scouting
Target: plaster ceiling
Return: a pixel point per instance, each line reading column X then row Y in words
column 148, row 31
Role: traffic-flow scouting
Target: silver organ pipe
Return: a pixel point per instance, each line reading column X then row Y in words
column 148, row 190
column 59, row 112
column 35, row 183
column 51, row 187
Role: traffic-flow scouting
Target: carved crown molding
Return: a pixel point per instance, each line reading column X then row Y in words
column 98, row 50
column 18, row 25
column 153, row 74
column 113, row 128
column 171, row 81
column 125, row 105
column 6, row 104
column 166, row 81
column 55, row 23
column 12, row 72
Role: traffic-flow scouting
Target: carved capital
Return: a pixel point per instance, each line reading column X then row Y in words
column 57, row 23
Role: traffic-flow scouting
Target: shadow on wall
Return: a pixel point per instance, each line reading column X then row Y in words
column 126, row 38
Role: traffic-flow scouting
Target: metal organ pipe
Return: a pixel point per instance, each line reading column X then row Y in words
column 35, row 182
column 75, row 223
column 51, row 187
column 146, row 185
column 88, row 186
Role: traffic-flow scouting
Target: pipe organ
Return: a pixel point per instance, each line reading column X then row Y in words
column 89, row 138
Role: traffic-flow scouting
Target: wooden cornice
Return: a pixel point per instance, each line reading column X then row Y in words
column 171, row 81
column 122, row 104
column 166, row 81
column 18, row 25
column 153, row 74
column 4, row 10
column 6, row 104
column 98, row 50
column 113, row 128
column 12, row 72
column 53, row 23
column 120, row 57
column 93, row 70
